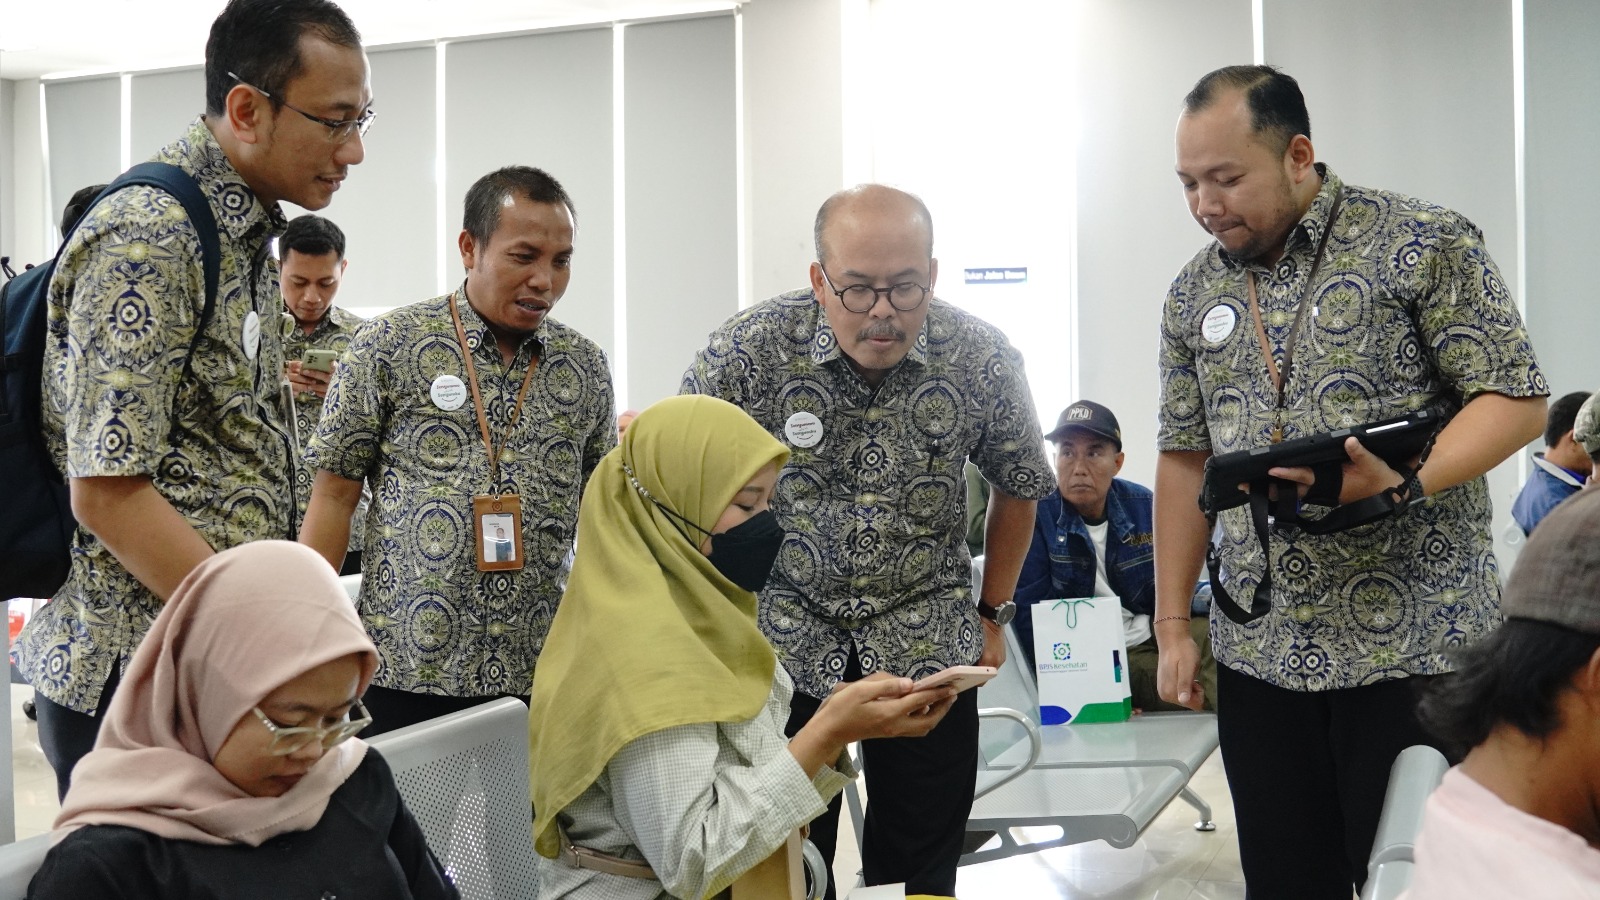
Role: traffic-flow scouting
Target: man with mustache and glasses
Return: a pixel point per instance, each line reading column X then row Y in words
column 1320, row 305
column 466, row 413
column 881, row 392
column 167, row 422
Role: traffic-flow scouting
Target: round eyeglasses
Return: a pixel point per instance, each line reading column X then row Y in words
column 286, row 740
column 339, row 131
column 861, row 298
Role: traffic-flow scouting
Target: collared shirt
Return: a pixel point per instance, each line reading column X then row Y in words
column 875, row 558
column 332, row 332
column 442, row 626
column 1408, row 307
column 120, row 401
column 736, row 782
column 1062, row 563
column 1546, row 488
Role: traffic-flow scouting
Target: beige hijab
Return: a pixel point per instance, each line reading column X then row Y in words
column 243, row 623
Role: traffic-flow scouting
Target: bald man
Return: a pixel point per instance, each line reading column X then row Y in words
column 882, row 392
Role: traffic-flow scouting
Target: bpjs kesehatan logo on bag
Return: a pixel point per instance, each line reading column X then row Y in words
column 1062, row 651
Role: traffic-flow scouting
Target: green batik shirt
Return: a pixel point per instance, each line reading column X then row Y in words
column 119, row 401
column 442, row 626
column 333, row 332
column 1408, row 307
column 874, row 558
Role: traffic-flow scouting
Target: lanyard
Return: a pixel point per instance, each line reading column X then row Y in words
column 1280, row 377
column 477, row 401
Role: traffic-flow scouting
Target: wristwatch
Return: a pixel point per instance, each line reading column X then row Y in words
column 1000, row 615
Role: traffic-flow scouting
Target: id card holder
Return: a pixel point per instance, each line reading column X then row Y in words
column 497, row 521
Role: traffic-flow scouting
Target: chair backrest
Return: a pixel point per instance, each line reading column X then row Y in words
column 18, row 862
column 1414, row 775
column 465, row 778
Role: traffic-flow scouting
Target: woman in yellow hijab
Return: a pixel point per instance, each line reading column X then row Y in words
column 659, row 763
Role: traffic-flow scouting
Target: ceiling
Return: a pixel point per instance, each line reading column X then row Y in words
column 79, row 37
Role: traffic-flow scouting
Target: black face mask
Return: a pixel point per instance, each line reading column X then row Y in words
column 746, row 552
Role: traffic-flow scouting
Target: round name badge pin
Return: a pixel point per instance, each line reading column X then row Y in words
column 250, row 336
column 448, row 392
column 803, row 429
column 1219, row 323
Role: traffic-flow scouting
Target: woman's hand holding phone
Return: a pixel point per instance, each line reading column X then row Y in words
column 877, row 706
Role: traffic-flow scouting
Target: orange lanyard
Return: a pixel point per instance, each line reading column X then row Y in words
column 1280, row 377
column 477, row 400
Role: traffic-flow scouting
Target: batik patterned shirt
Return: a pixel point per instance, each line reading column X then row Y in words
column 333, row 332
column 1408, row 308
column 442, row 626
column 874, row 557
column 119, row 400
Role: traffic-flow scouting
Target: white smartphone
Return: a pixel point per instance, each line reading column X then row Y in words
column 961, row 677
column 321, row 360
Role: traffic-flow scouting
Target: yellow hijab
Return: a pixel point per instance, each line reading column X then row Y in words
column 649, row 635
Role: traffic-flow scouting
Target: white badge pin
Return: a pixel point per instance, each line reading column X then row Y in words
column 1218, row 323
column 448, row 392
column 250, row 336
column 803, row 429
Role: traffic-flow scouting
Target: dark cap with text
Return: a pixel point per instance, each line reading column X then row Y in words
column 1557, row 576
column 1089, row 416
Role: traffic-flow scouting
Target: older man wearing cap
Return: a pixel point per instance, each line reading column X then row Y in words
column 1092, row 538
column 1517, row 817
column 1586, row 431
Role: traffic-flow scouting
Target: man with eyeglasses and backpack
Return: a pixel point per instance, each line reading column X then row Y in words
column 163, row 354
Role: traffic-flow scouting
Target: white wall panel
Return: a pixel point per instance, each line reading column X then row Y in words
column 682, row 225
column 163, row 105
column 85, row 127
column 1563, row 129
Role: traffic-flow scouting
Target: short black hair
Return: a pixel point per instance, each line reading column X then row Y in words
column 1511, row 677
column 486, row 196
column 1277, row 108
column 77, row 206
column 311, row 235
column 259, row 42
column 1563, row 413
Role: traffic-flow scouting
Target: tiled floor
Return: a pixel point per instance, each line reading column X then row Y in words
column 1171, row 861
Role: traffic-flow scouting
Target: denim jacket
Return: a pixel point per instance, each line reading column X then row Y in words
column 1061, row 561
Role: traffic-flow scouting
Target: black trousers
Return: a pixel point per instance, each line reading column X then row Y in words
column 392, row 709
column 919, row 794
column 1308, row 771
column 67, row 735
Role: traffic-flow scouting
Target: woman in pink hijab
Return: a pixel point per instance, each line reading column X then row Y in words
column 227, row 765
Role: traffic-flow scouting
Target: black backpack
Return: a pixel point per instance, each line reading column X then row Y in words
column 37, row 524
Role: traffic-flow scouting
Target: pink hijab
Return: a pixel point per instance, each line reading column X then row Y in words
column 243, row 623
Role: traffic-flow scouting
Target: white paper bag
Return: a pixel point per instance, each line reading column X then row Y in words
column 1082, row 661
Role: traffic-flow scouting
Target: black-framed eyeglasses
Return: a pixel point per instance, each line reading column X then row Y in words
column 286, row 740
column 860, row 298
column 339, row 131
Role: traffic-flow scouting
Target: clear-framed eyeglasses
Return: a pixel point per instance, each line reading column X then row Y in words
column 286, row 740
column 339, row 131
column 861, row 298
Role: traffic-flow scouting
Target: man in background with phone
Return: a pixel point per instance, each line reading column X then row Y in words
column 311, row 264
column 1320, row 305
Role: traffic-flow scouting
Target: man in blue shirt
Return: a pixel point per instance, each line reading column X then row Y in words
column 1559, row 472
column 1092, row 538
